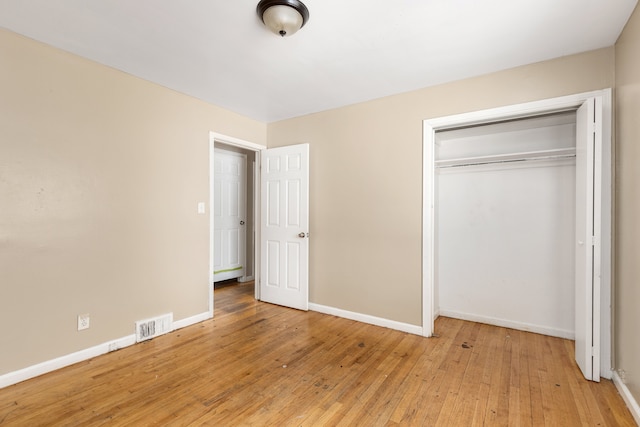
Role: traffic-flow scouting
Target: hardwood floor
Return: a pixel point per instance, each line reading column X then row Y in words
column 261, row 364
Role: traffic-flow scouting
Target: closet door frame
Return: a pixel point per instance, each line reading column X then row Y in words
column 571, row 102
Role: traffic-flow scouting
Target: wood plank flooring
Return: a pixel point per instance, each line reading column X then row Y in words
column 265, row 365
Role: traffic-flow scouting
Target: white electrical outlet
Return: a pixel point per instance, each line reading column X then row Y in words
column 83, row 321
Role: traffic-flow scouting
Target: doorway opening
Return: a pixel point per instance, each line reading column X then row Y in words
column 233, row 251
column 280, row 221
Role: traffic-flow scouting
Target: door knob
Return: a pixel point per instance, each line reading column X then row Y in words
column 302, row 235
column 241, row 222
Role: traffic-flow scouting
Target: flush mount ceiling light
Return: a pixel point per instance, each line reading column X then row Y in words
column 283, row 17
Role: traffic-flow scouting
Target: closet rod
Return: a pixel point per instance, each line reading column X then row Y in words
column 556, row 154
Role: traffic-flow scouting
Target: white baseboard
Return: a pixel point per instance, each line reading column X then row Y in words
column 63, row 361
column 245, row 279
column 179, row 324
column 365, row 318
column 560, row 333
column 628, row 398
column 86, row 354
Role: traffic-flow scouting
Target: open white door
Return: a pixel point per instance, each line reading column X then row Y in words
column 588, row 247
column 229, row 211
column 284, row 235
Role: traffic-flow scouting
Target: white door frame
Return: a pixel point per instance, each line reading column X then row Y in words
column 430, row 126
column 246, row 145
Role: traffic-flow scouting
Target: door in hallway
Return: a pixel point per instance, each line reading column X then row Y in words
column 229, row 215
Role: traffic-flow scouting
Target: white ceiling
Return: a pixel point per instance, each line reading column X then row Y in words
column 349, row 51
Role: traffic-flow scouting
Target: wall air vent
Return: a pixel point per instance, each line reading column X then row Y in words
column 151, row 328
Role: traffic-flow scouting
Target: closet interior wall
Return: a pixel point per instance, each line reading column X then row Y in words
column 505, row 223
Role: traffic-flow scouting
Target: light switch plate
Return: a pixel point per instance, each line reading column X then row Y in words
column 201, row 207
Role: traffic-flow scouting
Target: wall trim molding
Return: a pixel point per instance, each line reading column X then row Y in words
column 183, row 323
column 365, row 318
column 45, row 367
column 64, row 361
column 628, row 398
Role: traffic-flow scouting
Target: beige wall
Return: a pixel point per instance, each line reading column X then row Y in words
column 100, row 175
column 366, row 178
column 627, row 267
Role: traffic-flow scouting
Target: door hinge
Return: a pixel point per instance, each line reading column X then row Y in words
column 593, row 240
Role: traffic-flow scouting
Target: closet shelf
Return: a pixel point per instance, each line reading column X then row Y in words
column 558, row 153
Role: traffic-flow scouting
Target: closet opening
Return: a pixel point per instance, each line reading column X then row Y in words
column 505, row 223
column 517, row 208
